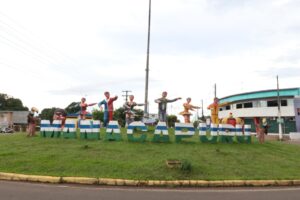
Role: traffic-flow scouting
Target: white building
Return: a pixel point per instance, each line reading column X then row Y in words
column 259, row 104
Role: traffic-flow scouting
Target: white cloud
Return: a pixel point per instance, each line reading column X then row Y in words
column 57, row 51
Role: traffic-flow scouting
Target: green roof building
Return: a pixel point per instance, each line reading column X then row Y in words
column 264, row 104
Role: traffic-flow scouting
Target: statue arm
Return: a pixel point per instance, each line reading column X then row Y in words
column 223, row 104
column 101, row 103
column 115, row 98
column 172, row 100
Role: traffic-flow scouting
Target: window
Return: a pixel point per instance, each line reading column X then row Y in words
column 248, row 105
column 227, row 108
column 283, row 102
column 239, row 106
column 272, row 103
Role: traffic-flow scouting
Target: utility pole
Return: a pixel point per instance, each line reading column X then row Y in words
column 215, row 90
column 202, row 109
column 126, row 94
column 147, row 63
column 279, row 120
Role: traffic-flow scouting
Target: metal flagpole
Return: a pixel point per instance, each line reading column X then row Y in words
column 147, row 64
column 279, row 112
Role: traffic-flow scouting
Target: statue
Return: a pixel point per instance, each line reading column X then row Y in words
column 60, row 114
column 129, row 112
column 83, row 107
column 31, row 120
column 108, row 107
column 232, row 120
column 214, row 108
column 187, row 107
column 162, row 106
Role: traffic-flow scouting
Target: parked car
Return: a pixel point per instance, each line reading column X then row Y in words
column 6, row 130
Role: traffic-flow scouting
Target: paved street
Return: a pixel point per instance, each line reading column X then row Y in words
column 30, row 191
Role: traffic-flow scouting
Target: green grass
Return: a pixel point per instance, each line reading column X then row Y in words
column 77, row 157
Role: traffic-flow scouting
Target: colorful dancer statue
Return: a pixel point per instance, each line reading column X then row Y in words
column 31, row 120
column 83, row 107
column 214, row 108
column 188, row 106
column 129, row 112
column 60, row 114
column 108, row 107
column 162, row 106
column 232, row 120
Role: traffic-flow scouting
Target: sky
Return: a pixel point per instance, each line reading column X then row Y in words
column 53, row 52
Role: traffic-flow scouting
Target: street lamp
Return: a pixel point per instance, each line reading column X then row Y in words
column 147, row 63
column 279, row 120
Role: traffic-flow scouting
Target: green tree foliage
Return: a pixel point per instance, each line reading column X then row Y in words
column 171, row 119
column 10, row 103
column 138, row 114
column 119, row 115
column 98, row 115
column 73, row 107
column 47, row 114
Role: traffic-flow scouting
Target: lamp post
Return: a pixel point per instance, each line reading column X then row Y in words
column 147, row 64
column 279, row 120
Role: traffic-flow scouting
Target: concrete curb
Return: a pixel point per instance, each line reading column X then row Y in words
column 30, row 178
column 150, row 183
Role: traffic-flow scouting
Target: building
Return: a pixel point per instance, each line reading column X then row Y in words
column 6, row 119
column 252, row 106
column 13, row 118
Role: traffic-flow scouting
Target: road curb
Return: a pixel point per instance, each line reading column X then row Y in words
column 80, row 180
column 30, row 178
column 150, row 183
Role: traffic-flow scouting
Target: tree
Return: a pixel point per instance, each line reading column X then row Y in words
column 172, row 119
column 47, row 114
column 139, row 113
column 119, row 115
column 73, row 107
column 98, row 115
column 10, row 103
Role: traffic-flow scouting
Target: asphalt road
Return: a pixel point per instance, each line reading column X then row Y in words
column 31, row 191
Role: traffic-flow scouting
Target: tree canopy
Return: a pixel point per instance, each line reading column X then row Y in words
column 12, row 104
column 73, row 107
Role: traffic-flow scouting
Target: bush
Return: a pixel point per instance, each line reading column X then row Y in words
column 186, row 166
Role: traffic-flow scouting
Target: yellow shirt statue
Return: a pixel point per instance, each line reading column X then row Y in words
column 214, row 109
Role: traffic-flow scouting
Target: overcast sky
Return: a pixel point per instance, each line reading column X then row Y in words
column 53, row 52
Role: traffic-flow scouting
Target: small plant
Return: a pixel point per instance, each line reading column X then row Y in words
column 186, row 166
column 85, row 146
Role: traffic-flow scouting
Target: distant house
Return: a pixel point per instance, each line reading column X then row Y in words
column 11, row 118
column 6, row 119
column 20, row 117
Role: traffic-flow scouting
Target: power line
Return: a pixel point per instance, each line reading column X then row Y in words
column 29, row 35
column 39, row 51
column 22, row 42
